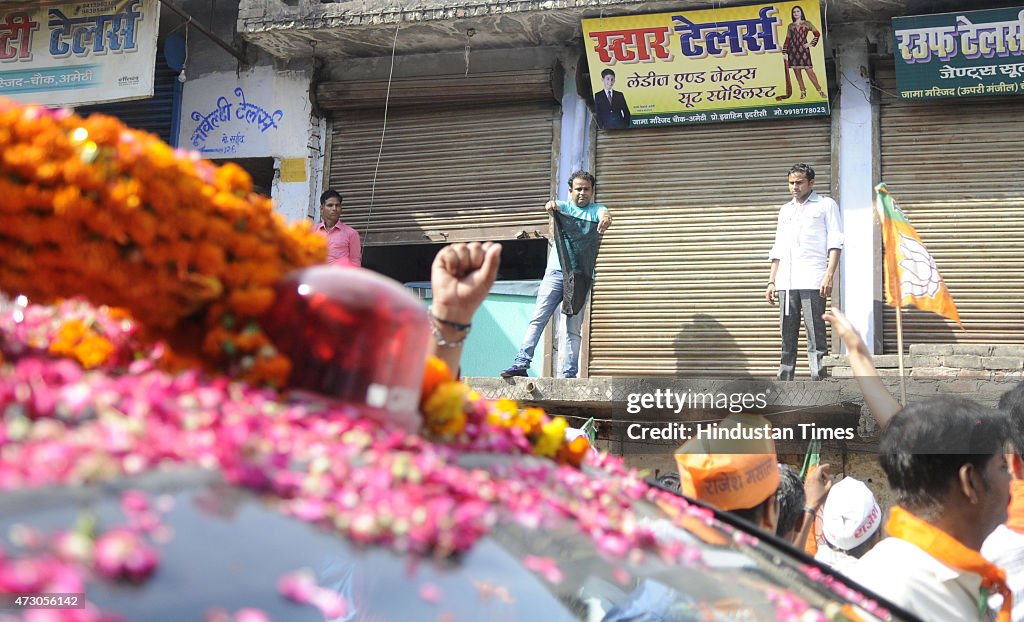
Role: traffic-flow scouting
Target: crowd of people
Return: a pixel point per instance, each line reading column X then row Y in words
column 951, row 548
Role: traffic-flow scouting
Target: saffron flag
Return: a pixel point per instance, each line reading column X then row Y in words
column 911, row 276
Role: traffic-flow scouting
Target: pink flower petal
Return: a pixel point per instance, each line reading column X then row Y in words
column 251, row 614
column 430, row 593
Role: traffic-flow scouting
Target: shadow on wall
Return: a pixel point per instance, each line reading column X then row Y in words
column 705, row 348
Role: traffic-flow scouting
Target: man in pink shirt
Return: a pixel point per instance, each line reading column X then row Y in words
column 343, row 245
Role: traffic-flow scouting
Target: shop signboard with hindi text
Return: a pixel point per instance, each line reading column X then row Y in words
column 69, row 53
column 763, row 61
column 963, row 54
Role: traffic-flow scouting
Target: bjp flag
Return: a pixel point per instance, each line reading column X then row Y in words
column 911, row 276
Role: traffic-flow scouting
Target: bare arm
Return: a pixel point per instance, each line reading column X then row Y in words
column 604, row 221
column 882, row 404
column 816, row 488
column 356, row 249
column 460, row 278
column 770, row 293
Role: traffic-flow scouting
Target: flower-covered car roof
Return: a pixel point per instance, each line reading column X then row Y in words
column 224, row 549
column 183, row 496
column 153, row 465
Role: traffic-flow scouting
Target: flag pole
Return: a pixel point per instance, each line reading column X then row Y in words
column 899, row 346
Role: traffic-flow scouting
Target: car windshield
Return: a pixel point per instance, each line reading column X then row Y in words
column 227, row 548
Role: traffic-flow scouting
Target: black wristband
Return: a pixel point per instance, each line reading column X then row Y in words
column 448, row 323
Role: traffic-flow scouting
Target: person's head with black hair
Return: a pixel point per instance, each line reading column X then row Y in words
column 945, row 459
column 608, row 79
column 669, row 481
column 764, row 515
column 791, row 500
column 801, row 181
column 582, row 186
column 804, row 169
column 585, row 176
column 330, row 207
column 1012, row 403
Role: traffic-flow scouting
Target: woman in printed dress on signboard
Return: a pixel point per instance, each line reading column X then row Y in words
column 796, row 51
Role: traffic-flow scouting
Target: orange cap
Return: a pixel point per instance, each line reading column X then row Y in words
column 714, row 471
column 728, row 481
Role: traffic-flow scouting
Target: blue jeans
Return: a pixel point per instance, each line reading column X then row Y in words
column 549, row 298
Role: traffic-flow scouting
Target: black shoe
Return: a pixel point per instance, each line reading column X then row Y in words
column 515, row 370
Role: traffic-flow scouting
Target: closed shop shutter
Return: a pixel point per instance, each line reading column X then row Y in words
column 954, row 167
column 157, row 114
column 682, row 271
column 449, row 172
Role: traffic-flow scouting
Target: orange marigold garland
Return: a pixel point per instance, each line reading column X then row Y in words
column 95, row 209
column 77, row 340
column 454, row 413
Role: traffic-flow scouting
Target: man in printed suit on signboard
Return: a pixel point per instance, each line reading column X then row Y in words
column 612, row 111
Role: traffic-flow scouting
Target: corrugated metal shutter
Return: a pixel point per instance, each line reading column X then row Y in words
column 954, row 167
column 452, row 174
column 530, row 85
column 155, row 114
column 682, row 271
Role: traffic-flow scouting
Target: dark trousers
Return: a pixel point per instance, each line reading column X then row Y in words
column 791, row 304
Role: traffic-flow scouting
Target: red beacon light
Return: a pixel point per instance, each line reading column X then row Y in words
column 355, row 336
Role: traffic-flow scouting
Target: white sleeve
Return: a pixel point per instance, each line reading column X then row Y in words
column 834, row 226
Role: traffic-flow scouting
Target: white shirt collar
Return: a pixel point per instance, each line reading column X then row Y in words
column 813, row 197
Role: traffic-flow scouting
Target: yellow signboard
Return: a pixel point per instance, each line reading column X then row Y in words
column 293, row 169
column 753, row 62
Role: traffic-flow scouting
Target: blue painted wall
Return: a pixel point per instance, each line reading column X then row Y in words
column 498, row 327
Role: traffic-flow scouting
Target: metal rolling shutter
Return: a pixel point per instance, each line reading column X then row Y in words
column 449, row 171
column 157, row 114
column 954, row 167
column 682, row 271
column 455, row 175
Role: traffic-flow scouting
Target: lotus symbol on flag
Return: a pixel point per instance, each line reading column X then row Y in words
column 920, row 277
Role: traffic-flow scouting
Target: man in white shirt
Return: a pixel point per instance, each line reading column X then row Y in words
column 805, row 256
column 944, row 459
column 1005, row 546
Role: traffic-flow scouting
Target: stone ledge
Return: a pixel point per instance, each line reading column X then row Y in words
column 1002, row 362
column 931, row 349
column 940, row 361
column 968, row 361
column 607, row 397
